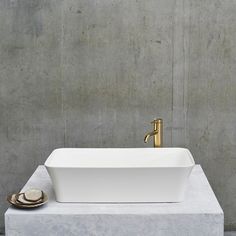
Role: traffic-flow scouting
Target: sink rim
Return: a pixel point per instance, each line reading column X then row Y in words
column 48, row 163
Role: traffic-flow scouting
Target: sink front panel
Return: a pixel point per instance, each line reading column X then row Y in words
column 120, row 174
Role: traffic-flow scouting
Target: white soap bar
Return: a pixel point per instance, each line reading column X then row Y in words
column 33, row 195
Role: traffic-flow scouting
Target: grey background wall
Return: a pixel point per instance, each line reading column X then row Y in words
column 93, row 73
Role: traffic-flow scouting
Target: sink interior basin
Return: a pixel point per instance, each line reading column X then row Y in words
column 120, row 174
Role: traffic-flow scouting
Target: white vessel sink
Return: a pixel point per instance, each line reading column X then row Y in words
column 120, row 174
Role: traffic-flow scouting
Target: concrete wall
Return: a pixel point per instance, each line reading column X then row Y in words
column 93, row 73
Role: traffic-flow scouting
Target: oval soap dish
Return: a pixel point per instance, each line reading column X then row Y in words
column 19, row 200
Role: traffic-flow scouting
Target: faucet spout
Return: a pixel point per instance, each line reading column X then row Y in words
column 148, row 135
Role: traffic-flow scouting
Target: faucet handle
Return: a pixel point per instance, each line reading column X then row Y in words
column 157, row 120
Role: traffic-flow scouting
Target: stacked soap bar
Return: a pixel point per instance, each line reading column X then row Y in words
column 28, row 199
column 31, row 196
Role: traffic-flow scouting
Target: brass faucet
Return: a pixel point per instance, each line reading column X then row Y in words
column 157, row 133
